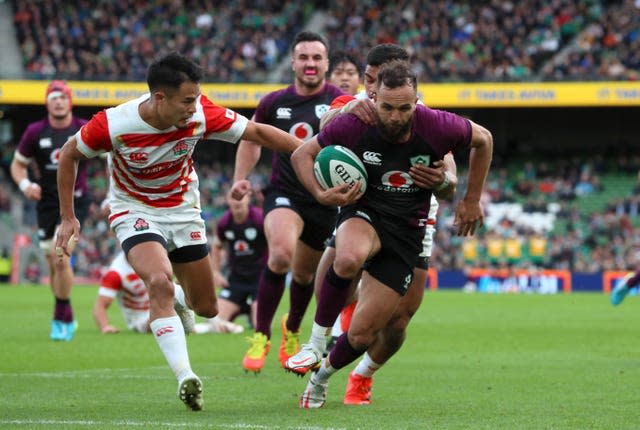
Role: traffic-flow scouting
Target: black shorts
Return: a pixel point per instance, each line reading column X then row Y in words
column 241, row 292
column 49, row 215
column 421, row 262
column 393, row 265
column 319, row 221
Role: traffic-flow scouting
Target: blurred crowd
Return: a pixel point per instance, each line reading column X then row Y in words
column 244, row 40
column 497, row 40
column 234, row 41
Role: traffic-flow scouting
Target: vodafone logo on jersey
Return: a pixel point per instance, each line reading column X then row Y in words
column 397, row 181
column 54, row 158
column 301, row 130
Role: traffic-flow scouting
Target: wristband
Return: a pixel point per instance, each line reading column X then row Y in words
column 446, row 182
column 24, row 184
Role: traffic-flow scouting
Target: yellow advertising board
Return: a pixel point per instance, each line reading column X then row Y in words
column 465, row 95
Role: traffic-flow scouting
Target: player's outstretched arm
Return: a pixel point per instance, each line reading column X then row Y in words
column 271, row 137
column 100, row 315
column 469, row 214
column 70, row 156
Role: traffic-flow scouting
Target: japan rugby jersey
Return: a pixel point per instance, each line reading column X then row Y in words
column 153, row 169
column 124, row 285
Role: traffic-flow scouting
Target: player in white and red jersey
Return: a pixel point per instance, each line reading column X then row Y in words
column 155, row 204
column 123, row 285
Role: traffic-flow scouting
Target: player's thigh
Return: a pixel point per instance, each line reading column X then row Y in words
column 149, row 259
column 196, row 278
column 282, row 227
column 376, row 305
column 411, row 301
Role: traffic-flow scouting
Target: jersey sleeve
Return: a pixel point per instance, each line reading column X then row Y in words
column 344, row 130
column 93, row 138
column 222, row 123
column 447, row 131
column 340, row 101
column 110, row 284
column 26, row 147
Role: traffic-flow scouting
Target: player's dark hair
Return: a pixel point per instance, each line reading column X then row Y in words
column 171, row 70
column 396, row 74
column 339, row 57
column 380, row 54
column 309, row 36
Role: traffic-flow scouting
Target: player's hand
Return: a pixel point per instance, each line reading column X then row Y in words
column 364, row 109
column 340, row 195
column 240, row 188
column 429, row 178
column 33, row 192
column 469, row 217
column 68, row 229
column 109, row 329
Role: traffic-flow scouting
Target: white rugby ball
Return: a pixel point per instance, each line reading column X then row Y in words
column 337, row 165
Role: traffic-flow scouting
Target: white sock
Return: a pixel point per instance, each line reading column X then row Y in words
column 178, row 295
column 336, row 330
column 319, row 336
column 366, row 367
column 324, row 371
column 169, row 334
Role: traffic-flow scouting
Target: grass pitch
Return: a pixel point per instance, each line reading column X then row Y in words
column 471, row 361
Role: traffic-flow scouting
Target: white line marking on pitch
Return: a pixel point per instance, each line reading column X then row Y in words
column 153, row 424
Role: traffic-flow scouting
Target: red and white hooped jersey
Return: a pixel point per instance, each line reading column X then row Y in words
column 151, row 168
column 124, row 285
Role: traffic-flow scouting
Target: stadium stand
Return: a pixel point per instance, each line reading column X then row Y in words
column 584, row 212
column 235, row 41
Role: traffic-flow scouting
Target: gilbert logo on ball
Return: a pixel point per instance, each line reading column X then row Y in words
column 337, row 165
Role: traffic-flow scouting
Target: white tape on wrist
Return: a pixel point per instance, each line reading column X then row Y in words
column 24, row 184
column 445, row 183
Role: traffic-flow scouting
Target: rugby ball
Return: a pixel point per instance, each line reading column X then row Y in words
column 336, row 165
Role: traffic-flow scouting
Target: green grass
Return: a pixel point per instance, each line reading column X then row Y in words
column 470, row 362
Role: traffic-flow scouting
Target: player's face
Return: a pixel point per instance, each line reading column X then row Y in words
column 395, row 107
column 59, row 107
column 345, row 76
column 176, row 107
column 370, row 78
column 310, row 63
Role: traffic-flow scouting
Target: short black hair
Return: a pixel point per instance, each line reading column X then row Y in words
column 309, row 36
column 171, row 70
column 380, row 54
column 339, row 57
column 396, row 74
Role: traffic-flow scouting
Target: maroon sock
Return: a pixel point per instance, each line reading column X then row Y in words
column 333, row 297
column 63, row 311
column 270, row 290
column 634, row 280
column 300, row 297
column 343, row 353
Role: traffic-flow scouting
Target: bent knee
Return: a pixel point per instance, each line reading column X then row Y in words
column 280, row 260
column 347, row 266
